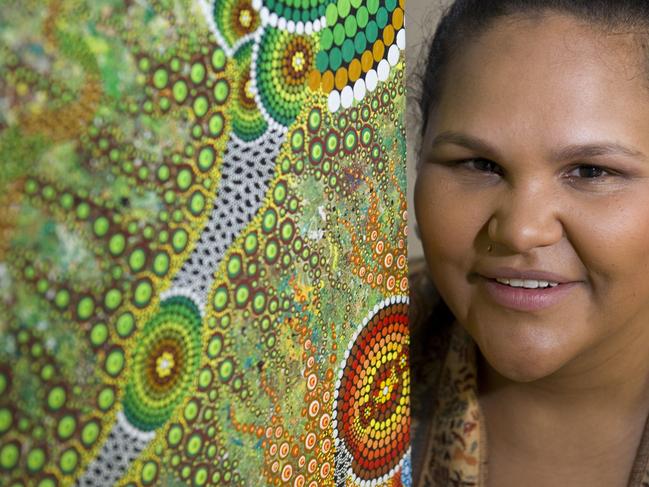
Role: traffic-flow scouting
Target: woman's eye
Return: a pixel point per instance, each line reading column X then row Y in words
column 589, row 172
column 482, row 165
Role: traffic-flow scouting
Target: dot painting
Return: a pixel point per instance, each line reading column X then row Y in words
column 203, row 243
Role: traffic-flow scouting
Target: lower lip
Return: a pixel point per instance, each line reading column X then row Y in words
column 523, row 299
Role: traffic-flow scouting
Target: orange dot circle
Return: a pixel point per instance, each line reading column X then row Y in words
column 355, row 69
column 367, row 61
column 287, row 472
column 377, row 50
column 327, row 81
column 341, row 78
column 314, row 79
column 397, row 18
column 388, row 35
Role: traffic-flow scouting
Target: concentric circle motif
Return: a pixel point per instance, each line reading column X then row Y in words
column 300, row 16
column 164, row 363
column 235, row 21
column 248, row 123
column 372, row 407
column 281, row 68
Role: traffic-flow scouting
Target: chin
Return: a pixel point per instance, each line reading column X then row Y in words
column 524, row 354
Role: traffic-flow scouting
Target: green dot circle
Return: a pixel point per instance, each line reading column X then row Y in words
column 220, row 298
column 179, row 240
column 221, row 91
column 194, row 445
column 62, row 299
column 117, row 244
column 161, row 264
column 113, row 299
column 98, row 334
column 234, row 266
column 114, row 362
column 206, row 158
column 226, row 369
column 106, row 398
column 180, row 91
column 66, row 427
column 90, row 433
column 160, row 78
column 184, row 179
column 272, row 250
column 250, row 243
column 200, row 106
column 69, row 460
column 9, row 456
column 149, row 472
column 36, row 459
column 191, row 411
column 269, row 221
column 137, row 260
column 215, row 125
column 201, row 475
column 125, row 324
column 205, row 378
column 6, row 419
column 197, row 73
column 241, row 295
column 297, row 140
column 100, row 226
column 143, row 293
column 175, row 435
column 56, row 398
column 215, row 346
column 218, row 59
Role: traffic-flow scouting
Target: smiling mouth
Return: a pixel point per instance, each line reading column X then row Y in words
column 528, row 295
column 526, row 283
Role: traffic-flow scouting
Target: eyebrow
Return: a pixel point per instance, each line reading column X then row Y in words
column 570, row 152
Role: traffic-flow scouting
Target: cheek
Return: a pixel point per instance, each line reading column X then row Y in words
column 449, row 226
column 612, row 241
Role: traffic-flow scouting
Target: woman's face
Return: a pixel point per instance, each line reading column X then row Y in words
column 535, row 173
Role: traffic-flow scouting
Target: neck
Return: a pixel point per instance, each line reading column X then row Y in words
column 596, row 402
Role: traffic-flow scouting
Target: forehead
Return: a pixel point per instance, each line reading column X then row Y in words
column 550, row 75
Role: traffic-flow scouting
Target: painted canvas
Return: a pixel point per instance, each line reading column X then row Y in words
column 203, row 276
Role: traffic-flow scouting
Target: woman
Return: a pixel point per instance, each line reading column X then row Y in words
column 532, row 201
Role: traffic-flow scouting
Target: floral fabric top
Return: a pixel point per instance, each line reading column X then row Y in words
column 449, row 446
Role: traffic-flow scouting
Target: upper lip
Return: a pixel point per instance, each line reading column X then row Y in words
column 524, row 274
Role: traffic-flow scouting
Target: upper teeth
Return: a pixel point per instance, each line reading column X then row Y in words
column 527, row 283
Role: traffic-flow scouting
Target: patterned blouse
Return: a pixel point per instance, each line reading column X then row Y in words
column 448, row 435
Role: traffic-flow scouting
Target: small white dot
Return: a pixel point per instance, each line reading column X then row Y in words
column 401, row 39
column 393, row 55
column 256, row 4
column 290, row 26
column 383, row 70
column 359, row 89
column 316, row 25
column 272, row 19
column 347, row 97
column 264, row 14
column 334, row 101
column 308, row 28
column 371, row 80
column 281, row 23
column 299, row 28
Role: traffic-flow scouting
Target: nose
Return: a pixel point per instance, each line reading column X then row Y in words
column 526, row 218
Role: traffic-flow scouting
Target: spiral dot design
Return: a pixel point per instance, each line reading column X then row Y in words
column 281, row 68
column 164, row 363
column 373, row 407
